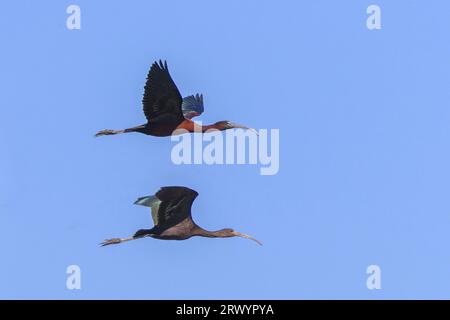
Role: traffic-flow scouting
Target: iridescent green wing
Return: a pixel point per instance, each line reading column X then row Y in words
column 153, row 202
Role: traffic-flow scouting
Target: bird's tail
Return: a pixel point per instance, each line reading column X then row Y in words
column 144, row 233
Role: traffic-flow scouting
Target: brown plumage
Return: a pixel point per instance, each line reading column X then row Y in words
column 171, row 213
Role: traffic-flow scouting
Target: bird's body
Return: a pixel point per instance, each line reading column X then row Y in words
column 166, row 110
column 171, row 214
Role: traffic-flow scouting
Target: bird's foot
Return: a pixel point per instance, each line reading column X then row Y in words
column 111, row 241
column 107, row 132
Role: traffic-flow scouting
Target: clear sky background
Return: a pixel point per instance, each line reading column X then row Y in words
column 364, row 123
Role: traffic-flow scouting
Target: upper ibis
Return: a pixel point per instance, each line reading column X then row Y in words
column 166, row 110
column 171, row 213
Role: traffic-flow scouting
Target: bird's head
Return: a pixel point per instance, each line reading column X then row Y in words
column 228, row 233
column 225, row 125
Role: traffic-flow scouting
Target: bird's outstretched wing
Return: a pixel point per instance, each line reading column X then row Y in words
column 161, row 95
column 170, row 205
column 153, row 203
column 192, row 106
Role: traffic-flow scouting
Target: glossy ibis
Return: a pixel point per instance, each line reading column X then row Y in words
column 166, row 110
column 171, row 213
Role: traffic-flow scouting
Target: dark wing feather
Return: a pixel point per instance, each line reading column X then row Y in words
column 161, row 95
column 176, row 203
column 170, row 205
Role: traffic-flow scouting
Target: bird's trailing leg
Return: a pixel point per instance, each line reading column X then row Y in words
column 108, row 132
column 107, row 242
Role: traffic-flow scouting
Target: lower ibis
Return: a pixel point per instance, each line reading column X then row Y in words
column 171, row 214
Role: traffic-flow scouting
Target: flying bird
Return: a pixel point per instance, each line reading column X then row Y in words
column 166, row 110
column 171, row 214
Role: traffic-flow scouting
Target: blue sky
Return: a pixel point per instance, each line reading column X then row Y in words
column 364, row 149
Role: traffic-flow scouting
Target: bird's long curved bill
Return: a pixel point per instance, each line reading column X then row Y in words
column 246, row 236
column 240, row 126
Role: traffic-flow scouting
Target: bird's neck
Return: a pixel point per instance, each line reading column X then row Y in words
column 209, row 127
column 206, row 233
column 140, row 128
column 191, row 126
column 220, row 125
